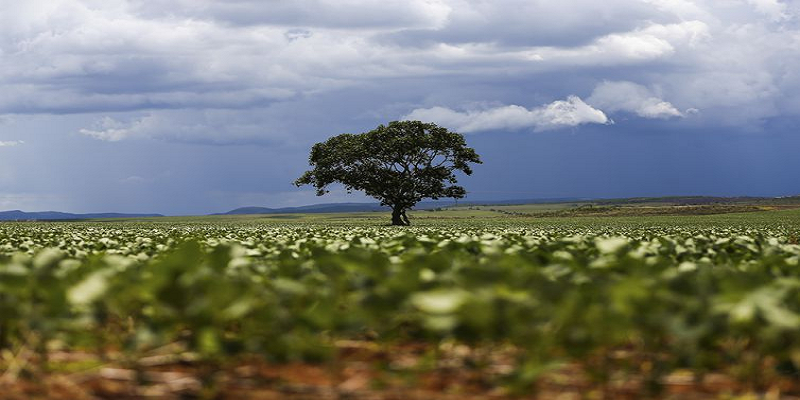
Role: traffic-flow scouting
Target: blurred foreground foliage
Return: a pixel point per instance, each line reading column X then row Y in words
column 636, row 300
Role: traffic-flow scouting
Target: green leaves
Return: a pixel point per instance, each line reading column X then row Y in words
column 89, row 289
column 399, row 164
column 555, row 292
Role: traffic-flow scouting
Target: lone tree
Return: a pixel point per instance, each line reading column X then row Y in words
column 398, row 164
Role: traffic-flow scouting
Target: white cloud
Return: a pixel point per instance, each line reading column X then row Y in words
column 734, row 60
column 70, row 56
column 559, row 114
column 11, row 143
column 526, row 23
column 212, row 126
column 112, row 130
column 631, row 97
column 646, row 44
column 683, row 9
column 134, row 180
column 771, row 8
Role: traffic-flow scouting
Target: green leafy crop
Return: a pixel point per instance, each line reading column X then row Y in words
column 706, row 298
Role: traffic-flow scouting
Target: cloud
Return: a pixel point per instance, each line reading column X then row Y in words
column 683, row 9
column 214, row 126
column 640, row 45
column 771, row 8
column 631, row 97
column 112, row 130
column 559, row 114
column 11, row 143
column 130, row 58
column 362, row 14
column 525, row 23
column 134, row 179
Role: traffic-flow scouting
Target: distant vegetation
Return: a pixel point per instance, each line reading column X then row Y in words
column 17, row 215
column 642, row 207
column 691, row 205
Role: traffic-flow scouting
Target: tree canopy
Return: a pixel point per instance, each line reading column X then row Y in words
column 399, row 164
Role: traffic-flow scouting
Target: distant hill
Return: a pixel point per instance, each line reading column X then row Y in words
column 368, row 207
column 17, row 215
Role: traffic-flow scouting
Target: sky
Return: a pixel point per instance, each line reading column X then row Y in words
column 196, row 106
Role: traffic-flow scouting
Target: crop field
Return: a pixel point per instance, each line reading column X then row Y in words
column 464, row 304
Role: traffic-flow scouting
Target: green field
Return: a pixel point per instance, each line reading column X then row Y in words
column 470, row 302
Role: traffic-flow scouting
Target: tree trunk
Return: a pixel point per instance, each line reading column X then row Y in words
column 397, row 216
column 405, row 218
